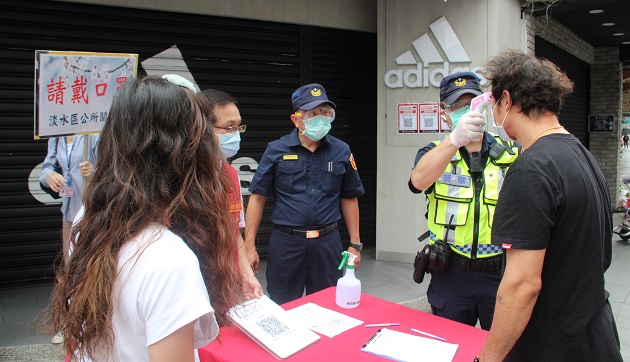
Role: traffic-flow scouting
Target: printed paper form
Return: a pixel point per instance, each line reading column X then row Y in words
column 323, row 320
column 272, row 327
column 401, row 346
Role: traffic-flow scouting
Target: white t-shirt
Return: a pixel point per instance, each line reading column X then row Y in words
column 159, row 289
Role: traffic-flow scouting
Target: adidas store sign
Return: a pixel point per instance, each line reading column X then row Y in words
column 423, row 76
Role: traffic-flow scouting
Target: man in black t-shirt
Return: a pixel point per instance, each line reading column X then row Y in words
column 554, row 221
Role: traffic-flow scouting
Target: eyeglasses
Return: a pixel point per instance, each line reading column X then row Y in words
column 455, row 106
column 325, row 111
column 233, row 129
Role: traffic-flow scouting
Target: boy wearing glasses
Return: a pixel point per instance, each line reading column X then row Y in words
column 462, row 176
column 310, row 173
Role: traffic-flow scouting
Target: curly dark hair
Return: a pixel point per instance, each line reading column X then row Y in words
column 536, row 84
column 159, row 162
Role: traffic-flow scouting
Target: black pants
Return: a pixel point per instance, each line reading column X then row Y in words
column 464, row 296
column 295, row 263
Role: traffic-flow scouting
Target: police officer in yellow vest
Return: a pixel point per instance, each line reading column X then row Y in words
column 462, row 176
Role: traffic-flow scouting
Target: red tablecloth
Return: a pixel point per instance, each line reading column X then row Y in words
column 235, row 346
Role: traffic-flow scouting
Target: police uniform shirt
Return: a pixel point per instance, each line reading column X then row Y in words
column 307, row 185
column 488, row 141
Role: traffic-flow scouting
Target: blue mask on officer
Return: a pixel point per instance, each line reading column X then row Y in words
column 230, row 143
column 455, row 116
column 317, row 127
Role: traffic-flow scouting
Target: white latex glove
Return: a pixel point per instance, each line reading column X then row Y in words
column 469, row 128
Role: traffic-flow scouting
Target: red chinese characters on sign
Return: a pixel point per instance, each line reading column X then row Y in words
column 74, row 90
column 55, row 91
column 120, row 81
column 79, row 90
column 101, row 89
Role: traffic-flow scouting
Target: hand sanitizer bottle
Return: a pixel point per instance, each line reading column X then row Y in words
column 348, row 287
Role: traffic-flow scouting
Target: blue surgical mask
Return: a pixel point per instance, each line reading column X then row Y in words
column 455, row 116
column 317, row 127
column 230, row 143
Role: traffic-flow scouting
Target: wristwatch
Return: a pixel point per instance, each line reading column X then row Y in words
column 358, row 246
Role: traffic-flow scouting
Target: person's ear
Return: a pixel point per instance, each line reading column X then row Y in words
column 446, row 119
column 295, row 119
column 507, row 98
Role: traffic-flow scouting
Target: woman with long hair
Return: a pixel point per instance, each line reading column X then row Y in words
column 155, row 245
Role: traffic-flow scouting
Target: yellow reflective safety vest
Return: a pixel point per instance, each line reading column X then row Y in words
column 460, row 210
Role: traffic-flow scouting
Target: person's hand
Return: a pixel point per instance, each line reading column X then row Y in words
column 357, row 260
column 253, row 259
column 86, row 169
column 469, row 128
column 55, row 181
column 251, row 286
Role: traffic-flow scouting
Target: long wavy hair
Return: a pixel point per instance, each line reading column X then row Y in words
column 158, row 162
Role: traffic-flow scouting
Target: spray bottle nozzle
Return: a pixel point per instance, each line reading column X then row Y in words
column 347, row 259
column 344, row 259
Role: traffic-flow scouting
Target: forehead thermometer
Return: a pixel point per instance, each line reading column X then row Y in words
column 480, row 102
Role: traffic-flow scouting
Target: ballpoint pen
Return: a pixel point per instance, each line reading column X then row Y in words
column 428, row 334
column 382, row 325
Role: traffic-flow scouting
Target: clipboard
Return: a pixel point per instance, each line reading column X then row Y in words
column 407, row 347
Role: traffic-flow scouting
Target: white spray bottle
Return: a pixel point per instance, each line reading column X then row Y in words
column 348, row 287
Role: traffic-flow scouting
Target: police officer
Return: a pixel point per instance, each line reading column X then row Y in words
column 309, row 173
column 462, row 177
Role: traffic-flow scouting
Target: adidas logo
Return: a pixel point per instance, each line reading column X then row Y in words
column 424, row 74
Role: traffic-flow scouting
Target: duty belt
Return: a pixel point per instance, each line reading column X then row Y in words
column 309, row 234
column 482, row 265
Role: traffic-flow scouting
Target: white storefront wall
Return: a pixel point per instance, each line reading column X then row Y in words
column 483, row 28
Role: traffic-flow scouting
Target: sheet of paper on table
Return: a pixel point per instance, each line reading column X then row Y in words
column 406, row 347
column 272, row 327
column 322, row 320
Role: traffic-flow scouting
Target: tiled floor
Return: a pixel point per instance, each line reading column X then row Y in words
column 20, row 307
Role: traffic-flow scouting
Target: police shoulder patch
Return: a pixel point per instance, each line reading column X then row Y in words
column 352, row 163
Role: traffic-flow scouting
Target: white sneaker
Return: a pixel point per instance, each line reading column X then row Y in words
column 57, row 338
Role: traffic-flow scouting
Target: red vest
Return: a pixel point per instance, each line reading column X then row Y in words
column 234, row 194
column 235, row 204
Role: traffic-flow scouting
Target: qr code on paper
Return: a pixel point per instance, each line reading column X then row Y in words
column 272, row 326
column 429, row 122
column 407, row 122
